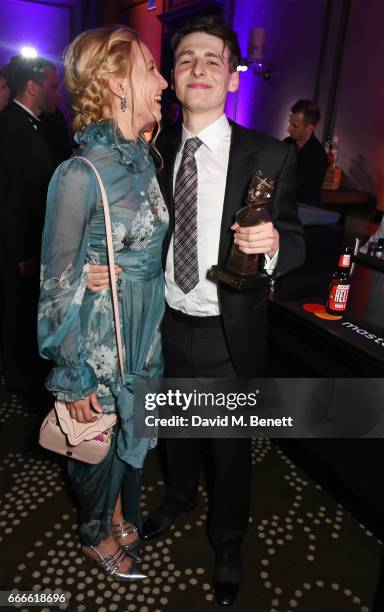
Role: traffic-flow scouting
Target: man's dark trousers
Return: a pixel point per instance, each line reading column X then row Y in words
column 195, row 347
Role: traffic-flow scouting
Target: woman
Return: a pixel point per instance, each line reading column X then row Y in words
column 116, row 93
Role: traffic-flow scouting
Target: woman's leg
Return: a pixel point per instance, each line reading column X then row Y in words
column 98, row 489
column 110, row 546
column 124, row 531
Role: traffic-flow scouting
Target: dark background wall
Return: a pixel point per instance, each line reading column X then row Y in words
column 360, row 100
column 303, row 39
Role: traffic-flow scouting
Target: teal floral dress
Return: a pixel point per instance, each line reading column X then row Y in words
column 75, row 326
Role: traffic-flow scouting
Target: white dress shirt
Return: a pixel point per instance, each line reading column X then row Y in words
column 212, row 166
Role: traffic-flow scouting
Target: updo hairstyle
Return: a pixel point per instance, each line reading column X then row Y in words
column 90, row 61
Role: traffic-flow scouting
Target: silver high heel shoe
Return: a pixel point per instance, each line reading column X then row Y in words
column 124, row 529
column 111, row 564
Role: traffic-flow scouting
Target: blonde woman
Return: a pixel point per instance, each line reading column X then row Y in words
column 116, row 94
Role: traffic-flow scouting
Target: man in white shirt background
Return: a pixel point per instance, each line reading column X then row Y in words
column 210, row 330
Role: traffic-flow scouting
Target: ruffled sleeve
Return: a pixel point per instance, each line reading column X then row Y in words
column 72, row 197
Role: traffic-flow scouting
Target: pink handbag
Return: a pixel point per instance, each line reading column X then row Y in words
column 88, row 442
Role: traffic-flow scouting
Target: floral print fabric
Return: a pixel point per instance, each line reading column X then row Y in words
column 75, row 326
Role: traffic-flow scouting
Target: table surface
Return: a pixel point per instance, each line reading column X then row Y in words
column 354, row 344
column 347, row 347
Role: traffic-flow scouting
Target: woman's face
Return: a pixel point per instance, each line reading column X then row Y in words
column 4, row 93
column 147, row 87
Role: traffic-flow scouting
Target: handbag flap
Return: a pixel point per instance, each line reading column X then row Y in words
column 78, row 432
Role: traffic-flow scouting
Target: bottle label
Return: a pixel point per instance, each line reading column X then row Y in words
column 345, row 260
column 338, row 297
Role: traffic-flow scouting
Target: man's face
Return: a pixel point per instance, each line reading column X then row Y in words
column 202, row 76
column 4, row 93
column 297, row 129
column 48, row 95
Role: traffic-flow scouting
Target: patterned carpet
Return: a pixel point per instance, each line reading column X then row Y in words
column 303, row 551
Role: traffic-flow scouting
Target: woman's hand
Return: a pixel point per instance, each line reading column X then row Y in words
column 82, row 410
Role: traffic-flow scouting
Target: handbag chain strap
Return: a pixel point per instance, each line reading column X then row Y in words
column 111, row 263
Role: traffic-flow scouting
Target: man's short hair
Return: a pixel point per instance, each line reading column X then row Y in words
column 310, row 110
column 216, row 26
column 19, row 70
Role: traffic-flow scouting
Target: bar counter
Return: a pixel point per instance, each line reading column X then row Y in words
column 301, row 345
column 308, row 346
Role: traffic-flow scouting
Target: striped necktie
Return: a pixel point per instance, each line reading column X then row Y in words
column 185, row 234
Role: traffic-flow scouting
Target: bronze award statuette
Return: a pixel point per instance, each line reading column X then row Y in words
column 242, row 271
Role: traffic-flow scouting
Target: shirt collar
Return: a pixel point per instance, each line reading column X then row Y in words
column 26, row 109
column 211, row 136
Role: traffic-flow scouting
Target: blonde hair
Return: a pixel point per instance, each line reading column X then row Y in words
column 90, row 61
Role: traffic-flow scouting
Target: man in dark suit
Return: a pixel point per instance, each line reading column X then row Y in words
column 26, row 166
column 210, row 330
column 312, row 160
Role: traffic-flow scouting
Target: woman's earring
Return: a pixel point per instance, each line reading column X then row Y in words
column 123, row 103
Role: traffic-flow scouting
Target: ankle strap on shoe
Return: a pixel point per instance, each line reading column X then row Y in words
column 123, row 529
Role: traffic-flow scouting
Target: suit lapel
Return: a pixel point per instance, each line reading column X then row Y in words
column 241, row 168
column 168, row 149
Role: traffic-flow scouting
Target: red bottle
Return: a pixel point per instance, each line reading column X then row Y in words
column 340, row 284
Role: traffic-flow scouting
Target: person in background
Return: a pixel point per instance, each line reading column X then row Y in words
column 26, row 165
column 4, row 99
column 4, row 89
column 172, row 120
column 56, row 133
column 311, row 156
column 116, row 94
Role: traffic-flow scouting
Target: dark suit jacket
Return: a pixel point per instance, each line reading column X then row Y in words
column 244, row 312
column 312, row 166
column 26, row 166
column 56, row 133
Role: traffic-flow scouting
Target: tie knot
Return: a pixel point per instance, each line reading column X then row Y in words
column 191, row 145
